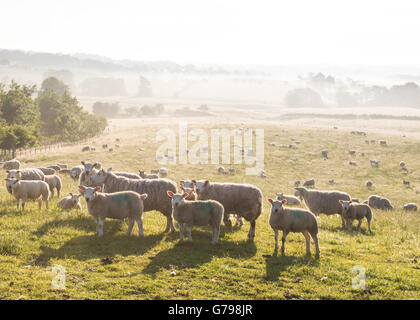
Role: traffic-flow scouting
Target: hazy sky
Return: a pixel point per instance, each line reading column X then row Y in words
column 219, row 31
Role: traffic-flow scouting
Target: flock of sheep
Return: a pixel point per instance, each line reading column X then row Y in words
column 119, row 195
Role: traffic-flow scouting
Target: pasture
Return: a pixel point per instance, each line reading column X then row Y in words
column 158, row 267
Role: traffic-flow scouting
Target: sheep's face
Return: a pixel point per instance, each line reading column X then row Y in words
column 202, row 186
column 345, row 205
column 10, row 182
column 74, row 198
column 279, row 196
column 99, row 177
column 89, row 193
column 186, row 183
column 89, row 167
column 299, row 191
column 177, row 198
column 141, row 173
column 276, row 205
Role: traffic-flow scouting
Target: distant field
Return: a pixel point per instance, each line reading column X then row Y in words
column 31, row 243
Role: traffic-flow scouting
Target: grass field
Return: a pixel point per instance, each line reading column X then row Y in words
column 120, row 267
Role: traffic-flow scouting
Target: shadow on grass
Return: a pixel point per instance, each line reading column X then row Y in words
column 275, row 264
column 187, row 254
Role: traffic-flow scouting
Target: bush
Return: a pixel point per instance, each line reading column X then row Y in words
column 303, row 98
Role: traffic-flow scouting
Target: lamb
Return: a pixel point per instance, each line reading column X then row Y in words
column 243, row 199
column 355, row 211
column 70, row 202
column 47, row 171
column 410, row 207
column 326, row 202
column 13, row 164
column 309, row 183
column 117, row 205
column 155, row 188
column 24, row 174
column 379, row 202
column 374, row 163
column 402, row 164
column 324, row 154
column 29, row 190
column 196, row 213
column 352, row 152
column 148, row 176
column 86, row 148
column 353, row 163
column 191, row 194
column 53, row 181
column 369, row 184
column 297, row 183
column 293, row 220
column 406, row 182
column 76, row 171
column 292, row 200
column 88, row 170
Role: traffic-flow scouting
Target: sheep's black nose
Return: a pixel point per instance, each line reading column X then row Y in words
column 275, row 210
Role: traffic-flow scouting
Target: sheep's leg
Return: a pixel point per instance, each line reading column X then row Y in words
column 283, row 240
column 315, row 237
column 101, row 227
column 169, row 224
column 308, row 241
column 216, row 232
column 349, row 224
column 17, row 204
column 181, row 231
column 140, row 225
column 23, row 204
column 369, row 221
column 251, row 233
column 130, row 227
column 47, row 203
column 276, row 240
column 227, row 222
column 52, row 193
column 39, row 203
column 359, row 224
column 189, row 229
column 343, row 222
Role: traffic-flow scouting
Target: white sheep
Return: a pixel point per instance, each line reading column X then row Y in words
column 24, row 174
column 76, row 171
column 29, row 190
column 54, row 182
column 356, row 211
column 292, row 200
column 13, row 164
column 117, row 205
column 410, row 207
column 70, row 202
column 196, row 213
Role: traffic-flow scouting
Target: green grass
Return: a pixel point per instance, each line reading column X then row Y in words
column 32, row 242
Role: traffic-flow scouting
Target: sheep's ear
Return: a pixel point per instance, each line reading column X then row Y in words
column 70, row 194
column 284, row 201
column 350, row 201
column 206, row 182
column 170, row 194
column 341, row 201
column 82, row 188
column 270, row 200
column 143, row 196
column 181, row 182
column 98, row 189
column 82, row 162
column 7, row 171
column 182, row 188
column 185, row 195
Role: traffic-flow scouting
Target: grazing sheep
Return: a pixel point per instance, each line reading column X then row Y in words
column 402, row 164
column 117, row 205
column 382, row 142
column 155, row 188
column 55, row 167
column 292, row 200
column 374, row 163
column 410, row 207
column 369, row 184
column 379, row 202
column 356, row 211
column 110, row 150
column 76, row 171
column 24, row 174
column 406, row 182
column 163, row 172
column 70, row 202
column 196, row 213
column 105, row 146
column 326, row 202
column 331, row 181
column 84, row 149
column 352, row 152
column 13, row 164
column 221, row 170
column 231, row 170
column 293, row 220
column 245, row 200
column 29, row 190
column 353, row 163
column 324, row 154
column 53, row 181
column 154, row 171
column 309, row 183
column 117, row 140
column 47, row 171
column 92, row 149
column 148, row 176
column 297, row 183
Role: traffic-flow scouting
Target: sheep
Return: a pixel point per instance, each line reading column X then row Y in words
column 402, row 164
column 309, row 183
column 245, row 200
column 117, row 140
column 406, row 182
column 187, row 183
column 355, row 200
column 221, row 170
column 53, row 181
column 410, row 207
column 55, row 167
column 327, row 202
column 191, row 194
column 196, row 213
column 292, row 200
column 231, row 170
column 369, row 184
column 88, row 170
column 356, row 211
column 127, row 174
column 379, row 202
column 117, row 146
column 331, row 181
column 92, row 149
column 110, row 150
column 374, row 163
column 382, row 142
column 155, row 171
column 24, row 174
column 352, row 152
column 105, row 146
column 117, row 205
column 64, row 171
column 13, row 164
column 293, row 220
column 76, row 171
column 62, row 166
column 324, row 154
column 155, row 188
column 147, row 176
column 262, row 174
column 86, row 148
column 70, row 202
column 47, row 171
column 163, row 172
column 29, row 190
column 297, row 183
column 353, row 163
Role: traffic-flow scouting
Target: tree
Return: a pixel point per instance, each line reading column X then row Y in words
column 54, row 84
column 106, row 109
column 303, row 98
column 145, row 88
column 16, row 136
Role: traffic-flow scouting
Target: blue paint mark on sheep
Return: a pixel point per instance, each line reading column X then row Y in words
column 120, row 200
column 202, row 206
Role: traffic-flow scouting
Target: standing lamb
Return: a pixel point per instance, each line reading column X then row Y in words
column 54, row 182
column 88, row 170
column 326, row 202
column 293, row 220
column 13, row 164
column 379, row 202
column 196, row 213
column 117, row 205
column 243, row 199
column 292, row 200
column 29, row 190
column 70, row 202
column 356, row 211
column 155, row 188
column 24, row 174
